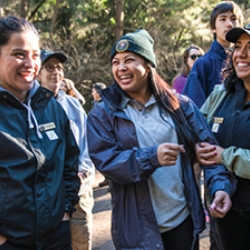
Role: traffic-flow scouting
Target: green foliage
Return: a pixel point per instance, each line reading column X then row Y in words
column 84, row 30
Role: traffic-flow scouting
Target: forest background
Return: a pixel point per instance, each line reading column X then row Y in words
column 85, row 31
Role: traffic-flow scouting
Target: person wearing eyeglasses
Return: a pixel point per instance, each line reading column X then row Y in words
column 206, row 72
column 39, row 155
column 190, row 55
column 227, row 111
column 50, row 77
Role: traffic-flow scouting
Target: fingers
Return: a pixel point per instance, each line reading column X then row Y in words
column 2, row 239
column 167, row 153
column 221, row 204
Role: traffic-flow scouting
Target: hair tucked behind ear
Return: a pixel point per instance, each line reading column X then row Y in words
column 169, row 101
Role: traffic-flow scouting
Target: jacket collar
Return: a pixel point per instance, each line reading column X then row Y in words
column 113, row 96
column 218, row 50
column 31, row 92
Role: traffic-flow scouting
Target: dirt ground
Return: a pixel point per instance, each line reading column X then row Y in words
column 102, row 219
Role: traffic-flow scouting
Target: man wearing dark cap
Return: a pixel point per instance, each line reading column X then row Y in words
column 50, row 77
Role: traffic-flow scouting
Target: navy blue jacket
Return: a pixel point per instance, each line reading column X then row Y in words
column 114, row 149
column 232, row 135
column 38, row 167
column 205, row 73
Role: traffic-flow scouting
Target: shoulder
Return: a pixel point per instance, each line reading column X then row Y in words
column 218, row 92
column 185, row 101
column 67, row 100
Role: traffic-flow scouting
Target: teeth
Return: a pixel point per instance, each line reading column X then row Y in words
column 242, row 64
column 124, row 77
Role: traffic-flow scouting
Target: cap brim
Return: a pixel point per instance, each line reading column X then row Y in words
column 234, row 34
column 60, row 56
column 45, row 55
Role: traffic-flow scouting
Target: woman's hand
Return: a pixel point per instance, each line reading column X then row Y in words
column 167, row 153
column 2, row 240
column 208, row 154
column 221, row 204
column 66, row 216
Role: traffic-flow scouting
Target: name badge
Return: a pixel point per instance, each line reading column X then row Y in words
column 216, row 125
column 47, row 126
column 51, row 135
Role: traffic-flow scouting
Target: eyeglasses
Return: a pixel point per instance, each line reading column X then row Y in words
column 51, row 68
column 194, row 57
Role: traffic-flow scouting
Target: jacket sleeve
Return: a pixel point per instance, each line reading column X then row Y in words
column 116, row 158
column 236, row 160
column 71, row 179
column 195, row 86
column 85, row 163
column 217, row 177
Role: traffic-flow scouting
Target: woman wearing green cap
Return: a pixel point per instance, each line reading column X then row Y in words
column 142, row 138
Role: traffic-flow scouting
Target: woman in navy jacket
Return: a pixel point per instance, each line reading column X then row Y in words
column 142, row 138
column 227, row 111
column 38, row 159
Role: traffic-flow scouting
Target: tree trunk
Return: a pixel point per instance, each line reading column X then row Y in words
column 2, row 3
column 54, row 19
column 119, row 16
column 23, row 9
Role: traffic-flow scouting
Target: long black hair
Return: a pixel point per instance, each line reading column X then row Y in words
column 230, row 77
column 169, row 101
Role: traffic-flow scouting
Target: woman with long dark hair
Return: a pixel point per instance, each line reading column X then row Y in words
column 227, row 111
column 142, row 138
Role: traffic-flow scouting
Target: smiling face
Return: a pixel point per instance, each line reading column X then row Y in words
column 51, row 74
column 223, row 23
column 20, row 63
column 131, row 72
column 241, row 58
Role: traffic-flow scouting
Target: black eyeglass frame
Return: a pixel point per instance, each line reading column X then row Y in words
column 60, row 69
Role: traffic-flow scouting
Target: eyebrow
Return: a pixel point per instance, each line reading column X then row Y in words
column 226, row 14
column 239, row 42
column 24, row 50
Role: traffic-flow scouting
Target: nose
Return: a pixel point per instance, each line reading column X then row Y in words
column 230, row 23
column 243, row 52
column 122, row 66
column 30, row 61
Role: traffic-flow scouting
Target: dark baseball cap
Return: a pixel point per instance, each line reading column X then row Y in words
column 45, row 55
column 234, row 34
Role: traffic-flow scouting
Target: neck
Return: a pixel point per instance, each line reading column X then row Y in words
column 142, row 98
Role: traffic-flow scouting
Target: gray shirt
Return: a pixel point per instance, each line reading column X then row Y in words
column 165, row 184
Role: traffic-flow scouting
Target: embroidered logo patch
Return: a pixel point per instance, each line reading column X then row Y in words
column 122, row 46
